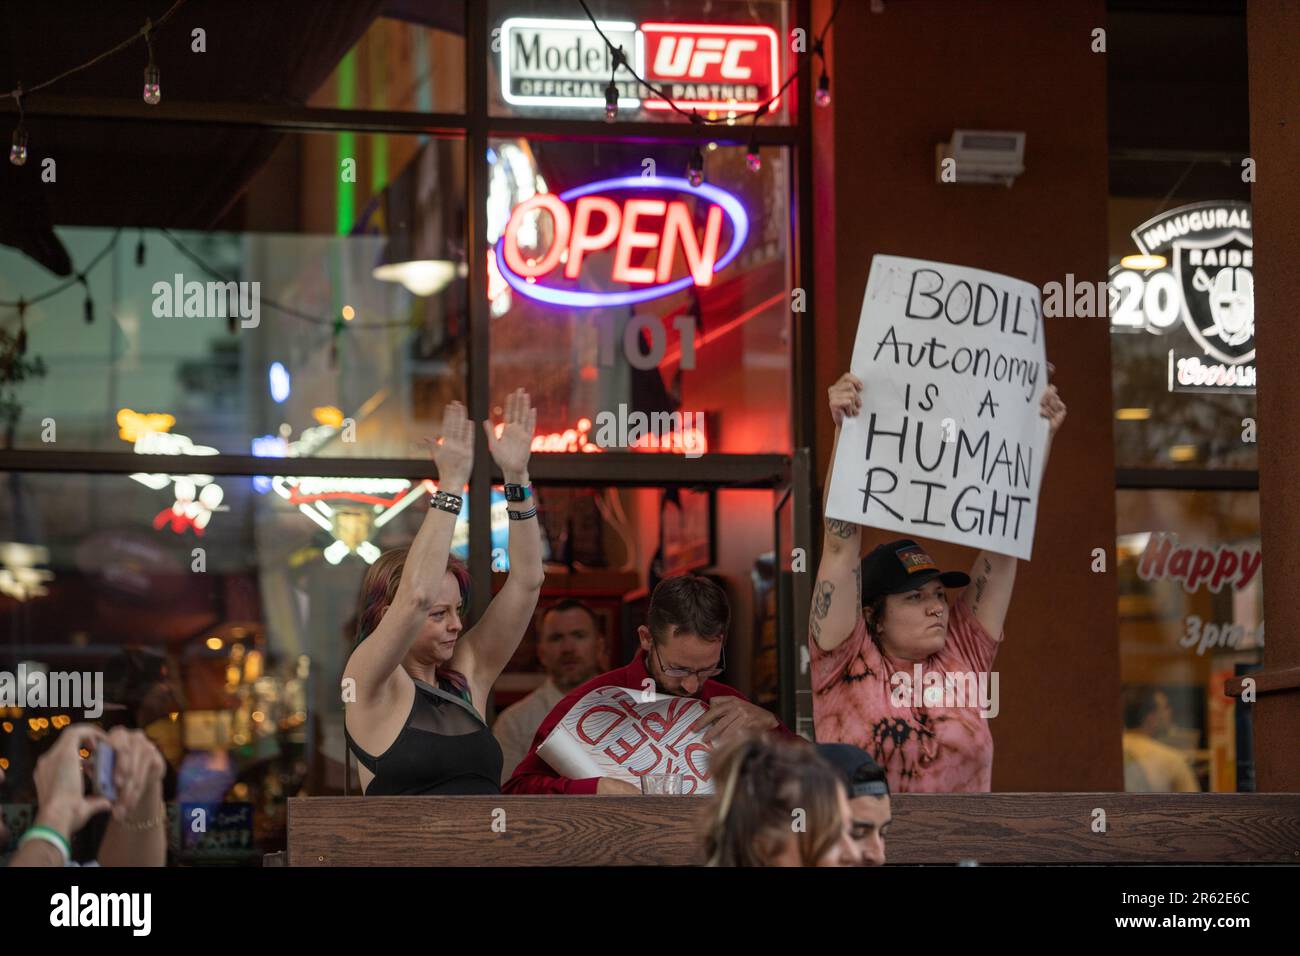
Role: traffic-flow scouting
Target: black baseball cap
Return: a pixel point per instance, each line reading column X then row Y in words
column 903, row 565
column 861, row 774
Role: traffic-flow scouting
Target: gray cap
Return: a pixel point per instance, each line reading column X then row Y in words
column 862, row 775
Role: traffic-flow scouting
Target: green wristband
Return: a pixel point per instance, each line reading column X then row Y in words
column 50, row 835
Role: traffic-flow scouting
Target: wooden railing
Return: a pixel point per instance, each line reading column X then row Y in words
column 665, row 831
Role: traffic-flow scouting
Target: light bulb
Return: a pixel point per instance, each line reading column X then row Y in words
column 611, row 102
column 18, row 151
column 753, row 160
column 695, row 167
column 152, row 89
column 823, row 95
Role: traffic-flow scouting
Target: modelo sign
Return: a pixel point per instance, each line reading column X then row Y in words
column 711, row 67
column 649, row 223
column 565, row 63
column 1203, row 297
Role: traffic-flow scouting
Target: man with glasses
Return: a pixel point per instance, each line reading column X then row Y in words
column 681, row 651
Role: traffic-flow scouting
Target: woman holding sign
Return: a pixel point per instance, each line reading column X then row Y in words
column 896, row 669
column 415, row 686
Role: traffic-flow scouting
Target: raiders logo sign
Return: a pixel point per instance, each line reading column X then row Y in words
column 1206, row 288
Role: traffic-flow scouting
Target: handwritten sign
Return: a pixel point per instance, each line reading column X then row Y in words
column 949, row 443
column 625, row 733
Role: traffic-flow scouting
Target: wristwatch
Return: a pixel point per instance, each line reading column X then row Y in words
column 517, row 492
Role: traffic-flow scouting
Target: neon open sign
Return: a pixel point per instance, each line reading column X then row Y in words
column 585, row 220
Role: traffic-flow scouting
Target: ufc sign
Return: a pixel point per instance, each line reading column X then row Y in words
column 716, row 68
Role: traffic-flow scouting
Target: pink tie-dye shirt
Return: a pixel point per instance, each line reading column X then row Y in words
column 924, row 749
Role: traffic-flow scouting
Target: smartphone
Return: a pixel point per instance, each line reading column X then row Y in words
column 102, row 777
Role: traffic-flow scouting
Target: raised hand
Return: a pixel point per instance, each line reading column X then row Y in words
column 61, row 801
column 846, row 397
column 453, row 449
column 512, row 449
column 138, row 770
column 1050, row 406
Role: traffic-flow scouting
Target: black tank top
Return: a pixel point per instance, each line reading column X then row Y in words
column 444, row 748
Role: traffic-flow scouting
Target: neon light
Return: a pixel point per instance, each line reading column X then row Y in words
column 630, row 238
column 705, row 55
column 131, row 425
column 522, row 275
column 328, row 415
column 279, row 379
column 578, row 63
column 374, row 502
column 678, row 443
column 569, row 440
column 583, row 240
column 193, row 507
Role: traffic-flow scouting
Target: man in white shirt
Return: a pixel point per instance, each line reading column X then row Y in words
column 571, row 649
column 1151, row 766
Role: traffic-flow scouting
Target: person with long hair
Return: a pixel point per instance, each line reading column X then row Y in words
column 882, row 616
column 415, row 686
column 777, row 803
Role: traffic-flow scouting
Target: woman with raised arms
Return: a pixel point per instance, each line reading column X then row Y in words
column 418, row 686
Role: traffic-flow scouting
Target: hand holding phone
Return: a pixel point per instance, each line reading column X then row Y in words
column 102, row 777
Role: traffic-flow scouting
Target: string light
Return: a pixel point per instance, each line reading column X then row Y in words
column 823, row 95
column 22, row 328
column 334, row 342
column 90, row 303
column 611, row 102
column 18, row 151
column 611, row 91
column 152, row 91
column 752, row 158
column 695, row 167
column 152, row 88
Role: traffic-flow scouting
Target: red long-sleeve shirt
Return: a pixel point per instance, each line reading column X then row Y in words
column 534, row 775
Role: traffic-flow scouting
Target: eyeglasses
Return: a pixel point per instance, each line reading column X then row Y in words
column 686, row 672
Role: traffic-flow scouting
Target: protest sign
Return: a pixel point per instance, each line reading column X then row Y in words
column 949, row 443
column 625, row 733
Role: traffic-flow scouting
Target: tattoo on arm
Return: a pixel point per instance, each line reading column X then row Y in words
column 840, row 529
column 981, row 583
column 821, row 606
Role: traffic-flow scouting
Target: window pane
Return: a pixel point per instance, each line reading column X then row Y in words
column 221, row 625
column 406, row 56
column 1191, row 614
column 547, row 60
column 411, row 58
column 626, row 318
column 321, row 314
